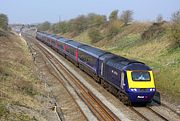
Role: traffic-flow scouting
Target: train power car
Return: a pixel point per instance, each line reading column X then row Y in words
column 130, row 80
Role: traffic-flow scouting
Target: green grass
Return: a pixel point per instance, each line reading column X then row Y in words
column 124, row 42
column 83, row 37
column 3, row 110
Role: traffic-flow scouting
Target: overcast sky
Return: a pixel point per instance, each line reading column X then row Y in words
column 35, row 11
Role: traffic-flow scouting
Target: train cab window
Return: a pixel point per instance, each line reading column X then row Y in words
column 140, row 76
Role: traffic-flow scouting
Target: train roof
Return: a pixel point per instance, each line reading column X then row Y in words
column 62, row 39
column 137, row 66
column 120, row 62
column 58, row 37
column 105, row 57
column 92, row 50
column 41, row 33
column 74, row 43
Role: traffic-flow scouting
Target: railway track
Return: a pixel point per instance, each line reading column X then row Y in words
column 166, row 106
column 162, row 117
column 95, row 105
column 150, row 113
column 56, row 108
column 143, row 111
column 139, row 114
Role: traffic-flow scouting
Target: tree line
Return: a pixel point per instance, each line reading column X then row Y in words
column 93, row 22
column 106, row 27
column 83, row 22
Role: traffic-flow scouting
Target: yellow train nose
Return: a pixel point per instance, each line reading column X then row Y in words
column 142, row 83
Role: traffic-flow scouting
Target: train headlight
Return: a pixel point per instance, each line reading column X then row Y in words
column 152, row 89
column 134, row 90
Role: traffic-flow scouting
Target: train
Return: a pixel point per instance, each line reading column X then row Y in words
column 130, row 80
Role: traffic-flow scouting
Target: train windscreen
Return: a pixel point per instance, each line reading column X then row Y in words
column 140, row 76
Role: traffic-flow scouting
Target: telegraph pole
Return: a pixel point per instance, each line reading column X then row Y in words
column 59, row 23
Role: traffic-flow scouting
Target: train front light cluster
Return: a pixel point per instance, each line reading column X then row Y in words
column 152, row 89
column 134, row 90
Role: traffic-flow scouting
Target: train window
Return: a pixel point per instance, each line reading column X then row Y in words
column 61, row 46
column 140, row 76
column 87, row 59
column 70, row 50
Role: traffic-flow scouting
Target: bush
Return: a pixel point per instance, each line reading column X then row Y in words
column 94, row 20
column 3, row 34
column 114, row 15
column 175, row 35
column 154, row 31
column 175, row 29
column 94, row 35
column 79, row 24
column 44, row 26
column 113, row 28
column 3, row 109
column 3, row 21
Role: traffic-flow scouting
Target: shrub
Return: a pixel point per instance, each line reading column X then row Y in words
column 3, row 21
column 94, row 35
column 175, row 29
column 153, row 31
column 113, row 28
column 3, row 34
column 3, row 109
column 114, row 15
column 79, row 24
column 44, row 26
column 95, row 20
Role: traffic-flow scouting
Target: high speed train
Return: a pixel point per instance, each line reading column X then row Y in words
column 130, row 80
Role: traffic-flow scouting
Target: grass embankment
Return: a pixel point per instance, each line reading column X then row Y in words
column 154, row 52
column 18, row 82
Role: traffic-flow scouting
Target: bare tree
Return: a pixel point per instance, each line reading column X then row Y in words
column 159, row 18
column 176, row 17
column 127, row 16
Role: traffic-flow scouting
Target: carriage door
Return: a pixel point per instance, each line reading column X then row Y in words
column 122, row 80
column 102, row 64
